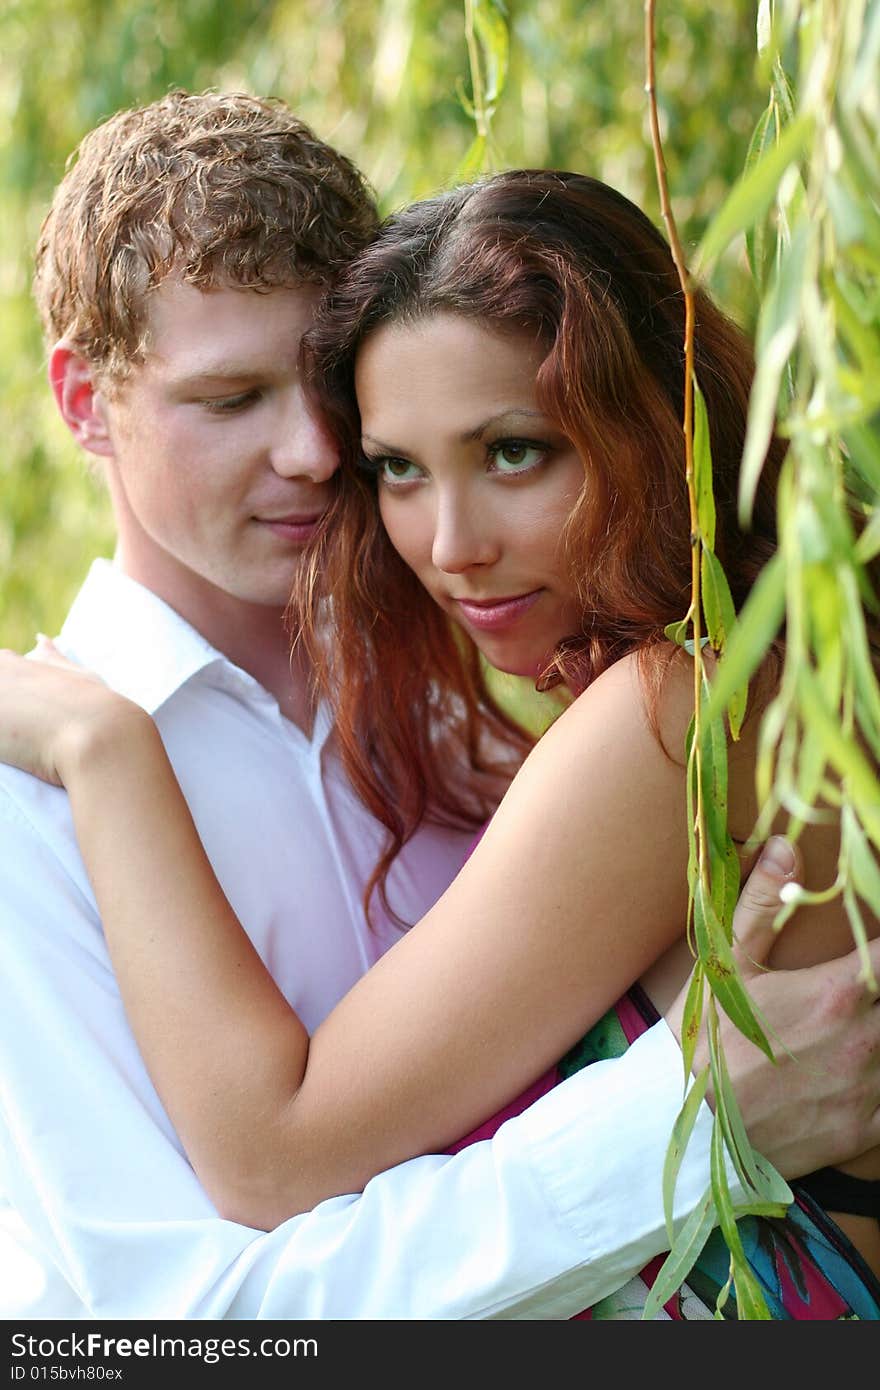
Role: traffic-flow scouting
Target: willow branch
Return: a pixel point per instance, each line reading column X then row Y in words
column 477, row 94
column 688, row 422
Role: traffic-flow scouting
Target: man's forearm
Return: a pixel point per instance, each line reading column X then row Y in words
column 560, row 1207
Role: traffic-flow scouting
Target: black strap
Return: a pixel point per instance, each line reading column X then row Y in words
column 836, row 1191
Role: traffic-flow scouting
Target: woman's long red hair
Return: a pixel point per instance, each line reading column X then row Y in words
column 568, row 260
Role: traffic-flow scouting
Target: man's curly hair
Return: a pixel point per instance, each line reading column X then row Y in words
column 217, row 188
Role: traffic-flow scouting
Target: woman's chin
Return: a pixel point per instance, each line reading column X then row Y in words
column 508, row 655
column 521, row 665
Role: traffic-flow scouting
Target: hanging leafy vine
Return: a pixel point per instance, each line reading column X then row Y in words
column 808, row 206
column 488, row 44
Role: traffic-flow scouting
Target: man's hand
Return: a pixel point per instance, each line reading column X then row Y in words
column 820, row 1104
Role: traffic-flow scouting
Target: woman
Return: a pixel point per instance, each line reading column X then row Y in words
column 503, row 370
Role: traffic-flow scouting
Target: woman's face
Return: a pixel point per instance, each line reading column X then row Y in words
column 475, row 482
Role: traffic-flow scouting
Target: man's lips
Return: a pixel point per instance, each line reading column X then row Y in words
column 297, row 528
column 493, row 615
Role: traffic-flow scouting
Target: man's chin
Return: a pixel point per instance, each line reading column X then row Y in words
column 276, row 593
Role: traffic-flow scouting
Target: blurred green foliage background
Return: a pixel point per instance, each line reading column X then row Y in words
column 379, row 78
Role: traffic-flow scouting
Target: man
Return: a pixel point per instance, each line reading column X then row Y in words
column 176, row 273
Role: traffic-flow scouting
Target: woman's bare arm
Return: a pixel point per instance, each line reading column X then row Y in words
column 577, row 886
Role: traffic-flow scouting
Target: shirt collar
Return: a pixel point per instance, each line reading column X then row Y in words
column 133, row 640
column 146, row 651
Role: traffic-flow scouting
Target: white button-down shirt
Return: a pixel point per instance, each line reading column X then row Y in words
column 100, row 1212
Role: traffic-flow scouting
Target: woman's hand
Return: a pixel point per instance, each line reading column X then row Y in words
column 54, row 715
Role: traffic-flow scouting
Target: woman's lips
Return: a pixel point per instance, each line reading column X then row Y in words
column 493, row 615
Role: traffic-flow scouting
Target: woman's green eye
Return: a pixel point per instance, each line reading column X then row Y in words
column 397, row 468
column 390, row 469
column 516, row 455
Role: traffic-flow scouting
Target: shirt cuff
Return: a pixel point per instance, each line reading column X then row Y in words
column 596, row 1146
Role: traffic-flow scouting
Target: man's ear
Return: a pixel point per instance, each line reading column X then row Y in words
column 79, row 398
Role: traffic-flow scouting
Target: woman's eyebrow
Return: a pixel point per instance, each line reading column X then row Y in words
column 515, row 411
column 381, row 444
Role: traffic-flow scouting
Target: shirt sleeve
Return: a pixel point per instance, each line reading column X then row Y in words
column 105, row 1218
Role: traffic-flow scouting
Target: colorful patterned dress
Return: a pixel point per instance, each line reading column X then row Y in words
column 807, row 1267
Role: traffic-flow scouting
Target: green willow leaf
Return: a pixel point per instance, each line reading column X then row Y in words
column 751, row 196
column 717, row 603
column 868, row 544
column 736, row 711
column 726, row 875
column 782, row 91
column 764, row 26
column 474, row 161
column 713, row 758
column 490, row 26
column 758, row 1176
column 773, row 724
column 859, row 931
column 685, row 1252
column 763, row 136
column 812, row 761
column 775, row 1190
column 863, row 449
column 778, row 325
column 692, row 1017
column 678, row 632
column 691, row 803
column 722, row 973
column 865, row 874
column 843, row 753
column 822, row 593
column 465, row 102
column 858, row 338
column 863, row 78
column 859, row 142
column 703, row 470
column 774, row 1211
column 851, row 225
column 724, row 862
column 755, row 629
column 750, row 1301
column 681, row 1133
column 713, row 582
column 866, row 712
column 867, row 693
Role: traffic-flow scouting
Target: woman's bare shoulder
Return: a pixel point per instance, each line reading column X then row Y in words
column 608, row 779
column 632, row 706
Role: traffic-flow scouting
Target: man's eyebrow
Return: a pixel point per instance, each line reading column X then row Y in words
column 219, row 375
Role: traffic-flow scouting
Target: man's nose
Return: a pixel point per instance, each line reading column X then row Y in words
column 304, row 446
column 463, row 535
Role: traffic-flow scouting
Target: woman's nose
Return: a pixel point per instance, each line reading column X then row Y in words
column 463, row 535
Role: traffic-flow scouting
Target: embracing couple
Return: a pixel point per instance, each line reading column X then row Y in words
column 290, row 904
